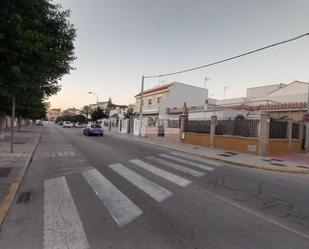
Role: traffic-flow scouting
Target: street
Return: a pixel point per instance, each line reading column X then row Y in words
column 113, row 192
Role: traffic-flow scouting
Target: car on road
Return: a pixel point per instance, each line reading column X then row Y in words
column 67, row 124
column 93, row 129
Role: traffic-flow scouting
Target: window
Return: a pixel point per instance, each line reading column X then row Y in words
column 149, row 101
column 159, row 99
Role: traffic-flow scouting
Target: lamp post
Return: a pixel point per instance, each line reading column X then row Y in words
column 95, row 95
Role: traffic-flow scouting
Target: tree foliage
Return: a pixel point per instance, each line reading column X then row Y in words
column 98, row 113
column 36, row 50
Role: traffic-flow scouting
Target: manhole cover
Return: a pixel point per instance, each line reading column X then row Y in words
column 24, row 197
column 4, row 172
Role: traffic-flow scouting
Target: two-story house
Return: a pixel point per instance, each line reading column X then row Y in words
column 165, row 102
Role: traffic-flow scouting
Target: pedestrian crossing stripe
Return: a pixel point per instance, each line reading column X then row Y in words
column 162, row 173
column 63, row 154
column 121, row 208
column 152, row 189
column 198, row 159
column 62, row 225
column 176, row 166
column 187, row 162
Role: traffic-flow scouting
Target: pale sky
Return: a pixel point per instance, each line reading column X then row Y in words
column 120, row 40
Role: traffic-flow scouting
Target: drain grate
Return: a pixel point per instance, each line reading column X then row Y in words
column 231, row 153
column 4, row 172
column 226, row 155
column 24, row 197
column 277, row 160
column 278, row 164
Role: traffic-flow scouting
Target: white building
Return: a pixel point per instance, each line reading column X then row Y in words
column 160, row 100
column 270, row 98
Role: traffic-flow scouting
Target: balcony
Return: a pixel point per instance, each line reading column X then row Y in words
column 148, row 109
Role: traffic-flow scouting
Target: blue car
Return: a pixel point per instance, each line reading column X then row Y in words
column 94, row 129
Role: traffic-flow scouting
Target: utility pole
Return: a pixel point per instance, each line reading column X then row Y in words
column 141, row 108
column 12, row 124
column 307, row 125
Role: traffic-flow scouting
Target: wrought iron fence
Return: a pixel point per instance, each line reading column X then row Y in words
column 278, row 128
column 197, row 126
column 173, row 124
column 238, row 127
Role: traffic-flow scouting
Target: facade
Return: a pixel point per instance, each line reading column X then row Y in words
column 158, row 101
column 280, row 101
column 53, row 113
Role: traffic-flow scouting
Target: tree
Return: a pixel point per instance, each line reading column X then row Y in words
column 36, row 50
column 98, row 114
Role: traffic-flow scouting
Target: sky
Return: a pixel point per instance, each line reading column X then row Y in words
column 118, row 41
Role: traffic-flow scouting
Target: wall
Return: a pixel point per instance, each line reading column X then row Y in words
column 239, row 144
column 197, row 139
column 180, row 93
column 262, row 91
column 280, row 146
column 172, row 134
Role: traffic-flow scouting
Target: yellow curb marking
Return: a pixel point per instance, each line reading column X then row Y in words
column 6, row 204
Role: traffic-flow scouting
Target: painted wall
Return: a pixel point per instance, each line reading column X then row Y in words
column 180, row 93
column 261, row 92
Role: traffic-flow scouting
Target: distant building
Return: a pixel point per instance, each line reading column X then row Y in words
column 71, row 111
column 53, row 113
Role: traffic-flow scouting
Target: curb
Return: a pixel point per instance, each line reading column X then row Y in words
column 243, row 164
column 15, row 184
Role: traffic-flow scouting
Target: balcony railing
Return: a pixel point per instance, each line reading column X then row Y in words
column 148, row 109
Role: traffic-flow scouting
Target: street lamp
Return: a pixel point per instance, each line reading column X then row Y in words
column 95, row 95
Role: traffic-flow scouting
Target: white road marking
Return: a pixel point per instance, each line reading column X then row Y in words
column 62, row 226
column 121, row 208
column 259, row 215
column 176, row 166
column 198, row 165
column 162, row 173
column 154, row 190
column 198, row 159
column 59, row 154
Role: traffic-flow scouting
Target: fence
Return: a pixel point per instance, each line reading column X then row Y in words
column 278, row 128
column 197, row 126
column 238, row 127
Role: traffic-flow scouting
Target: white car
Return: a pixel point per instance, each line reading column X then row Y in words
column 67, row 124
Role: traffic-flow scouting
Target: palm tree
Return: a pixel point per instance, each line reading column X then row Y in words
column 86, row 111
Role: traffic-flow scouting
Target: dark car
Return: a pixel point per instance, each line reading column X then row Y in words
column 94, row 129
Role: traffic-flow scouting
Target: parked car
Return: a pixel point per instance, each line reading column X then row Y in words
column 38, row 122
column 79, row 125
column 67, row 124
column 94, row 129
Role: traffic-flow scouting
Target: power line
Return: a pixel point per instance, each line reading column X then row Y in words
column 231, row 58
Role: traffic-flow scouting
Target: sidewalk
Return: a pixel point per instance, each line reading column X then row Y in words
column 13, row 165
column 290, row 163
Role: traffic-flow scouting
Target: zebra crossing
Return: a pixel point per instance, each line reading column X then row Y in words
column 63, row 227
column 63, row 154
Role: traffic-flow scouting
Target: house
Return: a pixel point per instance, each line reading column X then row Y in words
column 163, row 104
column 161, row 100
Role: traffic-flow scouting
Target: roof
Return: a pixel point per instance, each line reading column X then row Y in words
column 156, row 89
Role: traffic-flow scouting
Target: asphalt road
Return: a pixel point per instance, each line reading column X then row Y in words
column 112, row 192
